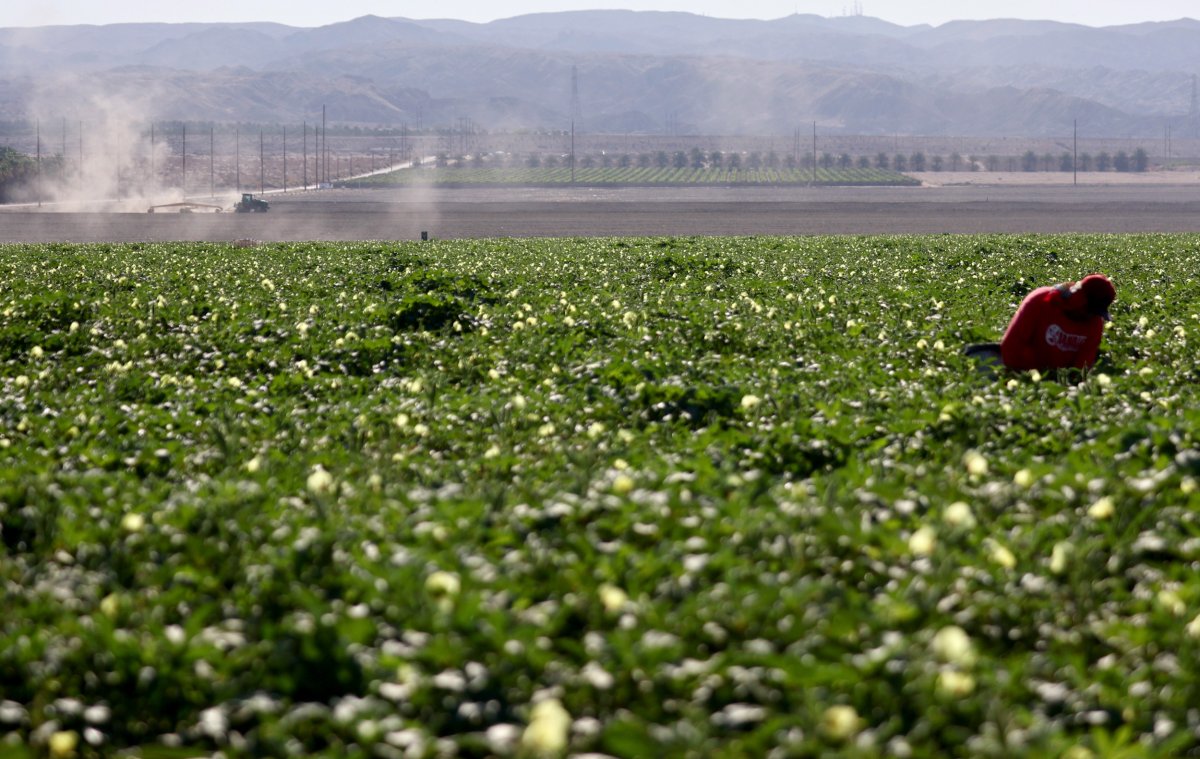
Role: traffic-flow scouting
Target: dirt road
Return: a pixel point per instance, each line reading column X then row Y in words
column 450, row 214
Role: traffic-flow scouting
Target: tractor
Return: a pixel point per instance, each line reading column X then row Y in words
column 251, row 204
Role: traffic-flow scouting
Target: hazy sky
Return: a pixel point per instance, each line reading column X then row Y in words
column 307, row 13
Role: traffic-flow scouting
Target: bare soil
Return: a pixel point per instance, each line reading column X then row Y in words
column 392, row 214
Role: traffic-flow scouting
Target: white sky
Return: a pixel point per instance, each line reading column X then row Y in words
column 309, row 13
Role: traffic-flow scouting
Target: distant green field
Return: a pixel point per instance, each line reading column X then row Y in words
column 636, row 177
column 638, row 497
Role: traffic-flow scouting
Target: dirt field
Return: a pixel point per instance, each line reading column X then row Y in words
column 1060, row 178
column 582, row 212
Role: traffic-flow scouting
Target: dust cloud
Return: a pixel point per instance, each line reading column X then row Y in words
column 114, row 157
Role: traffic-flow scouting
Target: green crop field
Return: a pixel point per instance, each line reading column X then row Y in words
column 638, row 497
column 635, row 176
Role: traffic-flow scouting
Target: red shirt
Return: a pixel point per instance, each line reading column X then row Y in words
column 1052, row 330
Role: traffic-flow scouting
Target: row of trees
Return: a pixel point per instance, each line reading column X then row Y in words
column 1030, row 161
column 1122, row 161
column 18, row 170
column 1139, row 160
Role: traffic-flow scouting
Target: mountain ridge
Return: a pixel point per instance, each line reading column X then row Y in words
column 638, row 71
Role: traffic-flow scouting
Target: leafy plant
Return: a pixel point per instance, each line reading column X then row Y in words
column 712, row 496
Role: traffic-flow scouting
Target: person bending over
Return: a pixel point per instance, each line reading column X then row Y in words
column 1059, row 327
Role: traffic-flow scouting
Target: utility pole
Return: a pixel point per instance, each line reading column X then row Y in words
column 63, row 168
column 1075, row 153
column 39, row 162
column 285, row 159
column 262, row 166
column 305, row 130
column 81, row 158
column 575, row 115
column 117, row 159
column 1194, row 113
column 237, row 159
column 814, row 179
column 185, row 160
column 153, row 169
column 212, row 161
column 324, row 146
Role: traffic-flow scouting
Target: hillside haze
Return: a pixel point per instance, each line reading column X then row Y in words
column 651, row 72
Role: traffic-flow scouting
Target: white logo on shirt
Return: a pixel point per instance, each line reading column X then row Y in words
column 1057, row 337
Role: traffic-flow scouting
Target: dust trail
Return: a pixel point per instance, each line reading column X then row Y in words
column 114, row 159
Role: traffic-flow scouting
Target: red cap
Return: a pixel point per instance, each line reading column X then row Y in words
column 1100, row 294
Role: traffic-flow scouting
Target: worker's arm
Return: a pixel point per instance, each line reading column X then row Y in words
column 1017, row 349
column 1086, row 357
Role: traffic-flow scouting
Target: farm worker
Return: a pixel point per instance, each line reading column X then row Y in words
column 1059, row 327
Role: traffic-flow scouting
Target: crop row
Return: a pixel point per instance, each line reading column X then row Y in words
column 713, row 497
column 638, row 176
